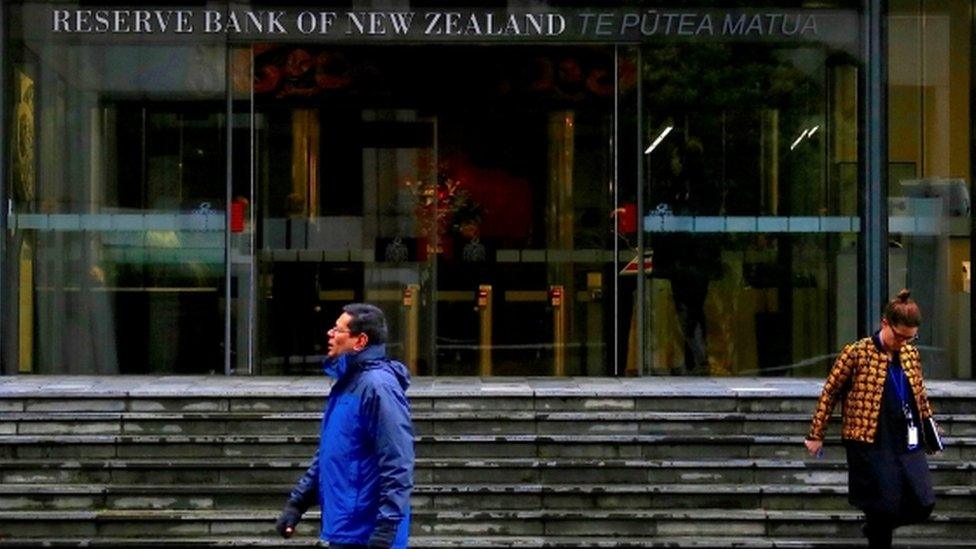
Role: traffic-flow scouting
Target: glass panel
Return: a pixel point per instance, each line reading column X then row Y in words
column 629, row 273
column 243, row 268
column 463, row 189
column 536, row 173
column 749, row 163
column 495, row 199
column 344, row 201
column 929, row 177
column 115, row 248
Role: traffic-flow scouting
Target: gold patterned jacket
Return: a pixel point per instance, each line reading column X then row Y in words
column 858, row 376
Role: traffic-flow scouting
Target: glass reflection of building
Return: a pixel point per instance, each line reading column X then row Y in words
column 206, row 202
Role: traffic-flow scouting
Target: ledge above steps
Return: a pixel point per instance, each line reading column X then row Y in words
column 29, row 386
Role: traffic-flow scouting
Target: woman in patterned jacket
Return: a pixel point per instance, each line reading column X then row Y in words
column 879, row 380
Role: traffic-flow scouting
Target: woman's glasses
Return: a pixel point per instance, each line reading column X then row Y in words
column 904, row 338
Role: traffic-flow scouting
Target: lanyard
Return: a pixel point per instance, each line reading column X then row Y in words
column 900, row 383
column 899, row 380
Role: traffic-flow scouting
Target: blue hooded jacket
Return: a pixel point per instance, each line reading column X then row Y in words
column 362, row 473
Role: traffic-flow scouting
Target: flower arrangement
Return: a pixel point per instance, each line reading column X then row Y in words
column 441, row 208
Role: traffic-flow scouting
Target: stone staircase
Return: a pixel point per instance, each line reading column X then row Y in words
column 653, row 462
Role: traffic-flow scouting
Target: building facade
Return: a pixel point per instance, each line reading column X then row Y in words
column 545, row 188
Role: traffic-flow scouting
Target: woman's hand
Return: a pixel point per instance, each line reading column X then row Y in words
column 815, row 447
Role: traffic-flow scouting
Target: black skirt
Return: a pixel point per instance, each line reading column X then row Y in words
column 881, row 481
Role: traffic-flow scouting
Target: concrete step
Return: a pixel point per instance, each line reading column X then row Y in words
column 476, row 401
column 431, row 423
column 498, row 542
column 772, row 524
column 425, row 422
column 463, row 398
column 230, row 471
column 466, row 446
column 473, row 497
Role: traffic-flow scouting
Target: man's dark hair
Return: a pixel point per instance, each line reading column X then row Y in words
column 367, row 319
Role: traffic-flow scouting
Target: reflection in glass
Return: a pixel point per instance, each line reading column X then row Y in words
column 929, row 187
column 750, row 230
column 117, row 219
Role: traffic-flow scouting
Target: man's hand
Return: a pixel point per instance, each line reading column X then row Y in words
column 290, row 516
column 815, row 447
column 382, row 536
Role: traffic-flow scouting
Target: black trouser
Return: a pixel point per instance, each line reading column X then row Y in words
column 881, row 526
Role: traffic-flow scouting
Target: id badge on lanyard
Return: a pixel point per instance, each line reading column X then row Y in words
column 912, row 429
column 900, row 384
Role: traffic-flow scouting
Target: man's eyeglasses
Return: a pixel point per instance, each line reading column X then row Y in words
column 338, row 330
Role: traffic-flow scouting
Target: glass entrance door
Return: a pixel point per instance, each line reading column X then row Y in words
column 336, row 226
column 465, row 190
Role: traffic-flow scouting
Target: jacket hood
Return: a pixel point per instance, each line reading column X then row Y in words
column 372, row 357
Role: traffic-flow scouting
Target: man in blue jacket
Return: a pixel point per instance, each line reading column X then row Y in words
column 362, row 473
